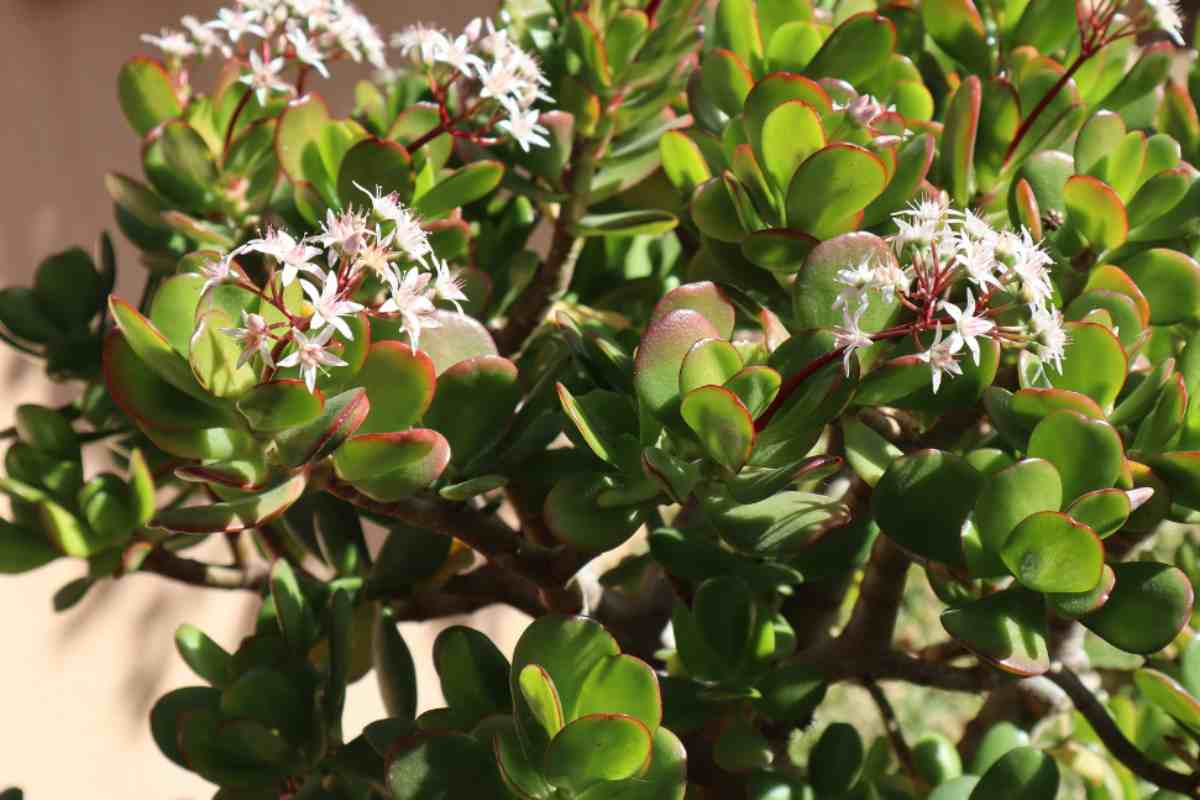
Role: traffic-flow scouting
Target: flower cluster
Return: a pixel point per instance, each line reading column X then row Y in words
column 943, row 249
column 1126, row 17
column 496, row 80
column 272, row 33
column 379, row 262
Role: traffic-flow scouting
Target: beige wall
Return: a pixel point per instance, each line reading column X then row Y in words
column 75, row 688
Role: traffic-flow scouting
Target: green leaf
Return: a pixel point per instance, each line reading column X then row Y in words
column 1078, row 604
column 868, row 453
column 829, row 191
column 780, row 525
column 1050, row 552
column 660, row 357
column 246, row 512
column 1095, row 212
column 473, row 673
column 1170, row 280
column 443, row 765
column 153, row 349
column 473, row 404
column 279, row 405
column 780, row 250
column 394, row 668
column 922, row 501
column 68, row 289
column 998, row 740
column 22, row 550
column 456, row 338
column 1013, row 494
column 1007, row 628
column 597, row 748
column 912, row 167
column 837, row 760
column 726, row 79
column 542, row 700
column 682, row 161
column 1023, row 772
column 340, row 418
column 644, row 222
column 961, row 130
column 375, row 455
column 1148, row 607
column 572, row 514
column 722, row 422
column 1105, row 511
column 587, row 43
column 736, row 28
column 465, row 185
column 1167, row 693
column 1087, row 453
column 607, row 422
column 297, row 620
column 817, row 286
column 375, row 165
column 856, row 50
column 709, row 362
column 170, row 710
column 207, row 659
column 703, row 297
column 756, row 387
column 147, row 97
column 215, row 355
column 958, row 29
column 310, row 145
column 791, row 132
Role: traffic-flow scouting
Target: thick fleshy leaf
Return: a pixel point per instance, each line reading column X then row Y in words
column 726, row 79
column 646, row 222
column 622, row 684
column 1077, row 604
column 756, row 387
column 473, row 673
column 1094, row 363
column 418, row 457
column 1087, row 454
column 473, row 404
column 837, row 760
column 1169, row 695
column 394, row 668
column 214, row 357
column 960, row 132
column 169, row 711
column 722, row 422
column 68, row 289
column 1095, row 212
column 456, row 338
column 736, row 28
column 207, row 659
column 922, row 501
column 1170, row 280
column 1030, row 406
column 1007, row 628
column 400, row 385
column 856, row 50
column 374, row 165
column 607, row 422
column 1181, row 472
column 780, row 250
column 465, row 185
column 958, row 29
column 912, row 166
column 1013, row 494
column 340, row 418
column 1050, row 552
column 714, row 211
column 1126, row 318
column 709, row 362
column 831, row 188
column 310, row 145
column 245, row 512
column 442, row 765
column 572, row 514
column 153, row 349
column 791, row 133
column 782, row 524
column 682, row 161
column 279, row 405
column 868, row 453
column 22, row 550
column 374, row 455
column 595, row 749
column 1024, row 772
column 704, row 297
column 1148, row 607
column 147, row 97
column 542, row 700
column 660, row 357
column 817, row 286
column 1105, row 511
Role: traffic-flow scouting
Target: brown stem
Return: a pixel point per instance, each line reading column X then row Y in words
column 1124, row 750
column 237, row 112
column 464, row 594
column 484, row 533
column 891, row 726
column 873, row 621
column 1027, row 124
column 554, row 276
column 198, row 573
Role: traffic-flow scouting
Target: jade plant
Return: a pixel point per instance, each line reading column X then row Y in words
column 754, row 350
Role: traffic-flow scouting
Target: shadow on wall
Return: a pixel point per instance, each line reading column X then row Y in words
column 84, row 681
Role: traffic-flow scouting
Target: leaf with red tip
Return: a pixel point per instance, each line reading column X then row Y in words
column 236, row 515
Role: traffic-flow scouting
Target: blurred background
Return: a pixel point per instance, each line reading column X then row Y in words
column 75, row 688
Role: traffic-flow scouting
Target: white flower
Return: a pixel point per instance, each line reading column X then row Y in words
column 264, row 78
column 978, row 258
column 219, row 271
column 294, row 256
column 864, row 109
column 409, row 237
column 410, row 300
column 376, row 255
column 329, row 307
column 307, row 52
column 457, row 53
column 922, row 223
column 347, row 233
column 385, row 206
column 255, row 336
column 1169, row 18
column 447, row 285
column 419, row 41
column 1139, row 497
column 968, row 325
column 1046, row 328
column 311, row 356
column 174, row 43
column 523, row 127
column 501, row 81
column 851, row 336
column 941, row 356
column 238, row 23
column 206, row 39
column 857, row 280
column 891, row 279
column 1028, row 262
